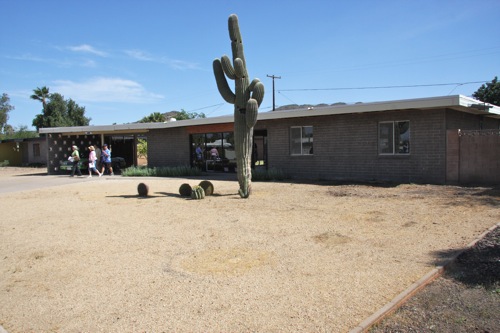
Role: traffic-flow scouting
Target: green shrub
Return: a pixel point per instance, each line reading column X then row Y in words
column 4, row 163
column 208, row 187
column 269, row 175
column 178, row 171
column 185, row 190
column 136, row 172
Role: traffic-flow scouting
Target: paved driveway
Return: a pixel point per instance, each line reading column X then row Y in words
column 33, row 179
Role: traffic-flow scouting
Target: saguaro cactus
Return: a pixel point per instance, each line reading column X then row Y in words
column 246, row 99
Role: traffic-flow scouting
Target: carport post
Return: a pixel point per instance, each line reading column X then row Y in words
column 135, row 150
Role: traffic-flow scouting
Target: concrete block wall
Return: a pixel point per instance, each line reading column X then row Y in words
column 59, row 148
column 346, row 147
column 168, row 147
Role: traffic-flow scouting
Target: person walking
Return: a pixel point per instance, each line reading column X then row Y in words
column 92, row 160
column 75, row 158
column 98, row 156
column 106, row 160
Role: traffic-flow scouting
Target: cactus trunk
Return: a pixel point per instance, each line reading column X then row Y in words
column 243, row 137
column 246, row 99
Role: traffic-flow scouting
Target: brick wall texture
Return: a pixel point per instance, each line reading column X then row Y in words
column 345, row 146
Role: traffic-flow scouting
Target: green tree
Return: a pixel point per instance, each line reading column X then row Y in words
column 155, row 117
column 489, row 92
column 184, row 115
column 5, row 108
column 22, row 132
column 60, row 113
column 142, row 148
column 76, row 114
column 8, row 131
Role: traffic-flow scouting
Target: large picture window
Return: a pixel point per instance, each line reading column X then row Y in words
column 301, row 140
column 394, row 137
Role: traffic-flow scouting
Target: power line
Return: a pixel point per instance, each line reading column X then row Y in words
column 206, row 107
column 288, row 98
column 385, row 87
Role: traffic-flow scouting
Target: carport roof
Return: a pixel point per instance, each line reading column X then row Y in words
column 456, row 102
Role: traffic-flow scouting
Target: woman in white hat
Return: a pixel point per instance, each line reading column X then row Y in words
column 92, row 159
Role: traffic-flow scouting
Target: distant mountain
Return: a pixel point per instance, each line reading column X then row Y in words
column 307, row 106
column 171, row 114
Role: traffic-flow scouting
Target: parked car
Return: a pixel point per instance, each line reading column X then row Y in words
column 117, row 163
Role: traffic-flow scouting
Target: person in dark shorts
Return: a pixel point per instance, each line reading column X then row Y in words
column 75, row 159
column 106, row 160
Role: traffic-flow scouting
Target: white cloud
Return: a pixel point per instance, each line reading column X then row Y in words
column 139, row 55
column 85, row 48
column 113, row 90
column 181, row 64
column 172, row 63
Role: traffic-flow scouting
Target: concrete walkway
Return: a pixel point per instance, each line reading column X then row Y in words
column 34, row 181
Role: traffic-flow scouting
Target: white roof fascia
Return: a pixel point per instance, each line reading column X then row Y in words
column 137, row 126
column 478, row 107
column 458, row 102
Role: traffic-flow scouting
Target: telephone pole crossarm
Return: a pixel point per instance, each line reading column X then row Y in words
column 274, row 77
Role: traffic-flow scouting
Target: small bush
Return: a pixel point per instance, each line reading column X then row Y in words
column 4, row 163
column 137, row 172
column 269, row 175
column 143, row 190
column 185, row 190
column 208, row 187
column 179, row 171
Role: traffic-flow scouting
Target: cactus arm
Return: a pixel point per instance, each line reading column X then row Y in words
column 257, row 89
column 241, row 85
column 228, row 67
column 222, row 84
column 251, row 112
column 239, row 68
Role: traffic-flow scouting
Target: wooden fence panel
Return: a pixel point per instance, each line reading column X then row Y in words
column 479, row 157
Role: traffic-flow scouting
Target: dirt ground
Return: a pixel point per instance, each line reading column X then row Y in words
column 92, row 256
column 465, row 299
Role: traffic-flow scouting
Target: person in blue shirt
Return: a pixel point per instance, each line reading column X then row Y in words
column 106, row 160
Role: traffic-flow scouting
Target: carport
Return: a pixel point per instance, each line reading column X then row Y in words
column 122, row 140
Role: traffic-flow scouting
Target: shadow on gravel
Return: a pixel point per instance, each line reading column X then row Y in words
column 478, row 266
column 32, row 174
column 135, row 196
column 491, row 192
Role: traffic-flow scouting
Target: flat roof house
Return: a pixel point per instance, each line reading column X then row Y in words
column 415, row 140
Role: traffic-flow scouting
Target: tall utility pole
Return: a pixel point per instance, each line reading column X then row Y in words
column 274, row 77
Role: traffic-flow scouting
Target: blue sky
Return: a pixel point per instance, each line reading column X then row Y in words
column 123, row 60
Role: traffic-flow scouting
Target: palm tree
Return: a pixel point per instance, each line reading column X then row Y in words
column 41, row 94
column 155, row 117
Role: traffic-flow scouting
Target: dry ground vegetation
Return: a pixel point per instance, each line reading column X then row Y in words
column 465, row 299
column 92, row 256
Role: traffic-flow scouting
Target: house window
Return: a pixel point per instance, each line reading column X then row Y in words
column 36, row 150
column 301, row 140
column 394, row 138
